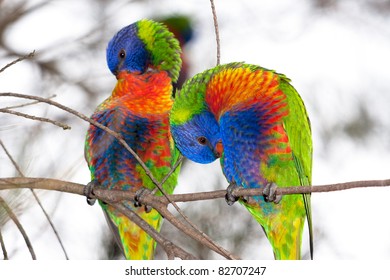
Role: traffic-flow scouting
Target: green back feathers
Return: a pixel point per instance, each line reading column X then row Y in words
column 162, row 45
column 297, row 125
column 190, row 100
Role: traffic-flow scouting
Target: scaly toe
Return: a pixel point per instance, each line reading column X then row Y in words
column 88, row 191
column 229, row 197
column 269, row 193
column 138, row 197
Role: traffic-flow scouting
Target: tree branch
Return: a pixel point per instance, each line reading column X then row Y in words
column 15, row 219
column 28, row 56
column 5, row 254
column 170, row 248
column 19, row 170
column 12, row 112
column 115, row 197
column 216, row 31
column 28, row 104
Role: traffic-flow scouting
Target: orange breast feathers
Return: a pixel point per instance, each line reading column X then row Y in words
column 147, row 93
column 232, row 87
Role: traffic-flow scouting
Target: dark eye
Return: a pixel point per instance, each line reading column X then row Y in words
column 202, row 140
column 122, row 54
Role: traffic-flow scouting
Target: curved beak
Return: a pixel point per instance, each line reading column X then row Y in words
column 218, row 149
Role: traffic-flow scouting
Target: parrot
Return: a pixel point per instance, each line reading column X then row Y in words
column 181, row 26
column 145, row 59
column 256, row 123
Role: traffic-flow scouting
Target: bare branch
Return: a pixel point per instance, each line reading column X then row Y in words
column 36, row 199
column 202, row 236
column 114, row 196
column 15, row 219
column 160, row 202
column 41, row 183
column 216, row 31
column 28, row 104
column 5, row 254
column 28, row 56
column 170, row 248
column 194, row 233
column 12, row 112
column 179, row 160
column 11, row 158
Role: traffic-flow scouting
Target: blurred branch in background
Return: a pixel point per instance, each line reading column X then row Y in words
column 13, row 217
column 36, row 199
column 377, row 6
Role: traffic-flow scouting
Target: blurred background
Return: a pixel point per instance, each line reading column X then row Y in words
column 337, row 53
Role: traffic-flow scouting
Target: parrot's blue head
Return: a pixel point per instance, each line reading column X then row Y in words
column 142, row 45
column 126, row 51
column 199, row 139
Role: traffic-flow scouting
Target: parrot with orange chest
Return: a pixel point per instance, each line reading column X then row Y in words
column 256, row 123
column 145, row 59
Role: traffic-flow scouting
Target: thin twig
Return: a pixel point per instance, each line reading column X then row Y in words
column 14, row 163
column 178, row 162
column 28, row 104
column 209, row 242
column 203, row 236
column 28, row 56
column 11, row 158
column 12, row 112
column 5, row 254
column 216, row 31
column 41, row 183
column 191, row 231
column 170, row 248
column 13, row 217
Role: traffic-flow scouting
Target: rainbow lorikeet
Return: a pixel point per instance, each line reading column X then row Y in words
column 181, row 27
column 256, row 122
column 145, row 58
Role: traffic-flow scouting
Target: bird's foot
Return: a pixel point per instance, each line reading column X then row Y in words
column 88, row 192
column 230, row 198
column 269, row 193
column 138, row 198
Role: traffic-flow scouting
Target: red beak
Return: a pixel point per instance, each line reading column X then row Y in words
column 218, row 150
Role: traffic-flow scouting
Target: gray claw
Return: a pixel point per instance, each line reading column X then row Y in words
column 148, row 208
column 88, row 192
column 138, row 199
column 229, row 197
column 269, row 193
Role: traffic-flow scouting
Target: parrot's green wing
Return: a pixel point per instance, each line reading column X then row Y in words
column 297, row 125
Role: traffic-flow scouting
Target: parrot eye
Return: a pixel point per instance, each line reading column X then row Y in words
column 202, row 140
column 122, row 54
